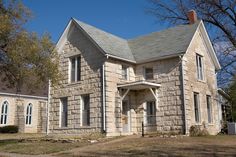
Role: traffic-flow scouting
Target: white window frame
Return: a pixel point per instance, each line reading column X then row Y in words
column 200, row 67
column 197, row 107
column 125, row 72
column 4, row 112
column 29, row 111
column 209, row 109
column 82, row 105
column 77, row 60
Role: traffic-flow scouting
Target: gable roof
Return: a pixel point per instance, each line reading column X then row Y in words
column 171, row 42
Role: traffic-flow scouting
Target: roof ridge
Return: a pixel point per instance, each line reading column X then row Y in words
column 84, row 23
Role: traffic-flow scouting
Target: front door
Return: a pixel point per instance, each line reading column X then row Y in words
column 125, row 116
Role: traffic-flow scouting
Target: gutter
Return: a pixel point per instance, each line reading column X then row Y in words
column 183, row 96
column 103, row 98
column 24, row 96
column 48, row 107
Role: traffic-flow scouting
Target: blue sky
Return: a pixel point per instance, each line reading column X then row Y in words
column 124, row 18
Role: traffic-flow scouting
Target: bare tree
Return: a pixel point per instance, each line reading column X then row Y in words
column 218, row 15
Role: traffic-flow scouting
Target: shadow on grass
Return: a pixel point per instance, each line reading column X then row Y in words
column 176, row 151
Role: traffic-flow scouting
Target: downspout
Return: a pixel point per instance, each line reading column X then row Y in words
column 48, row 107
column 183, row 95
column 103, row 98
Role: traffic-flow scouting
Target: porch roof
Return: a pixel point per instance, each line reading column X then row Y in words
column 138, row 85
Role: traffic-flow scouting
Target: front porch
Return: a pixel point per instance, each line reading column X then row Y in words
column 138, row 103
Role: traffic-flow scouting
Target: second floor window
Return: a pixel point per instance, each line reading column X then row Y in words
column 124, row 72
column 148, row 73
column 199, row 62
column 75, row 69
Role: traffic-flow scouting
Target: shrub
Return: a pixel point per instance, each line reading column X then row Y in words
column 9, row 129
column 195, row 130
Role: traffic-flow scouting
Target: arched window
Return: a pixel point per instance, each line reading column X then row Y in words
column 28, row 114
column 4, row 113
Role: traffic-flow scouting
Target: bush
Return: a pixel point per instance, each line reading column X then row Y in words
column 9, row 129
column 195, row 130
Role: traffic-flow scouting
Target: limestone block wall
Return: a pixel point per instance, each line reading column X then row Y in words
column 169, row 115
column 207, row 86
column 170, row 112
column 91, row 69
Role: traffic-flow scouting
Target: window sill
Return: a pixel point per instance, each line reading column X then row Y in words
column 28, row 126
column 74, row 83
column 202, row 81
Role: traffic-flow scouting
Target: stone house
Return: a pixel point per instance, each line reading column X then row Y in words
column 166, row 79
column 26, row 109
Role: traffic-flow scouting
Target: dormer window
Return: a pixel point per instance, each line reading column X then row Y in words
column 75, row 69
column 148, row 73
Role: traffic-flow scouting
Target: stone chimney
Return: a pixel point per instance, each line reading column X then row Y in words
column 192, row 17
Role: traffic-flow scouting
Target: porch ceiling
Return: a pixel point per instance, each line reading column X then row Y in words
column 138, row 85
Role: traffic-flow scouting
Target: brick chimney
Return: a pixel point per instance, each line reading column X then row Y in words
column 192, row 17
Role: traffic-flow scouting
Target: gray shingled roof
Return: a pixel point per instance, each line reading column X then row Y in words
column 169, row 42
column 109, row 43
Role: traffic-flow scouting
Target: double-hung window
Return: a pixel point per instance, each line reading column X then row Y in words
column 28, row 118
column 75, row 69
column 199, row 62
column 85, row 110
column 4, row 112
column 63, row 112
column 209, row 108
column 196, row 107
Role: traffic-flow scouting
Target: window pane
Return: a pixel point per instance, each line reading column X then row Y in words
column 196, row 106
column 72, row 74
column 124, row 72
column 63, row 112
column 151, row 112
column 86, row 110
column 199, row 67
column 78, row 68
column 209, row 109
column 148, row 73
